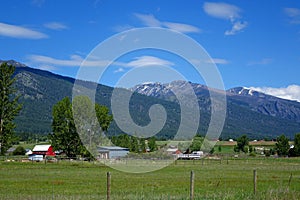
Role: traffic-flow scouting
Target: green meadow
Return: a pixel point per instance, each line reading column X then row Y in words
column 232, row 178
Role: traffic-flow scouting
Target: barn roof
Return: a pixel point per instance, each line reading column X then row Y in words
column 43, row 147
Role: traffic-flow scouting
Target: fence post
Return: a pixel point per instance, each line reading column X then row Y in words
column 290, row 180
column 254, row 181
column 108, row 186
column 192, row 185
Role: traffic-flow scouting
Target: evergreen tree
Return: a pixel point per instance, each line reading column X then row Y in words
column 9, row 107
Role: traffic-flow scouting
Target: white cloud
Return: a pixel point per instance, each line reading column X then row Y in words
column 151, row 21
column 264, row 61
column 293, row 14
column 183, row 28
column 55, row 26
column 227, row 12
column 47, row 67
column 119, row 70
column 74, row 61
column 14, row 31
column 222, row 10
column 292, row 92
column 122, row 28
column 144, row 61
column 148, row 20
column 237, row 27
column 218, row 61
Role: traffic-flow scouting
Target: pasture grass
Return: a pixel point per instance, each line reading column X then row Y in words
column 214, row 179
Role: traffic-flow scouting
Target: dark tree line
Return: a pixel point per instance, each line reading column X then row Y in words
column 282, row 146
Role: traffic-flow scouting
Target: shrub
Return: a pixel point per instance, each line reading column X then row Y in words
column 252, row 154
column 267, row 153
column 19, row 151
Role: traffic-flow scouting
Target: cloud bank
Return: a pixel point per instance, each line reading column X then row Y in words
column 291, row 92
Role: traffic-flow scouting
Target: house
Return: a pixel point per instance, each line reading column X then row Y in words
column 111, row 152
column 45, row 150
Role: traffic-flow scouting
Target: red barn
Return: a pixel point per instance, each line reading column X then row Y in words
column 45, row 150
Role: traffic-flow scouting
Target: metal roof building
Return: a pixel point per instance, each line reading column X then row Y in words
column 112, row 152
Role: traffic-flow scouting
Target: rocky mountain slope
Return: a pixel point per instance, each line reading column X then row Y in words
column 248, row 112
column 246, row 108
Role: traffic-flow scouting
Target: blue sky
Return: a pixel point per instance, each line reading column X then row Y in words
column 254, row 43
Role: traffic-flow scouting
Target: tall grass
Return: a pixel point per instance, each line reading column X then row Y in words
column 213, row 180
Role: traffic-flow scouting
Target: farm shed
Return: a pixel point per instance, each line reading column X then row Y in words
column 45, row 150
column 112, row 152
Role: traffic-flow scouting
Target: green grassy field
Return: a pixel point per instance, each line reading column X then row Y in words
column 214, row 179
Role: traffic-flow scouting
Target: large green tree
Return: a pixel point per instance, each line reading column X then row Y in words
column 92, row 121
column 9, row 106
column 64, row 135
column 78, row 128
column 200, row 143
column 282, row 145
column 242, row 143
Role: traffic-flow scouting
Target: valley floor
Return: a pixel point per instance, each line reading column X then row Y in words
column 277, row 178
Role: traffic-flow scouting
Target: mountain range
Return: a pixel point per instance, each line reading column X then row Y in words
column 248, row 112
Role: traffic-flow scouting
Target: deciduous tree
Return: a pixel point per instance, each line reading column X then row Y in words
column 78, row 128
column 152, row 144
column 282, row 145
column 200, row 143
column 242, row 143
column 64, row 135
